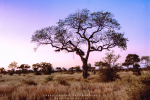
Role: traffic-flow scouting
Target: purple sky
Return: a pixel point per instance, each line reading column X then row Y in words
column 20, row 18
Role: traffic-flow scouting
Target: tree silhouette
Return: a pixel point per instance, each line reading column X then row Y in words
column 46, row 67
column 58, row 69
column 95, row 30
column 110, row 60
column 64, row 69
column 2, row 69
column 36, row 66
column 131, row 59
column 24, row 67
column 13, row 65
column 145, row 60
column 77, row 69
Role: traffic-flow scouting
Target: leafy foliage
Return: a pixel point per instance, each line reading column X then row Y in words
column 108, row 74
column 107, row 68
column 136, row 69
column 131, row 59
column 145, row 60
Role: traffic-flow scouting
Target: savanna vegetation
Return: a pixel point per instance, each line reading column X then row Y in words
column 73, row 86
column 109, row 82
column 97, row 31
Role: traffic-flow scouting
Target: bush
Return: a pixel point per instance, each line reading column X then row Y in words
column 136, row 70
column 108, row 74
column 37, row 73
column 29, row 82
column 62, row 81
column 11, row 73
column 49, row 78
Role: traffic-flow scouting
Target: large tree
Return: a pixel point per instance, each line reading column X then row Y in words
column 95, row 30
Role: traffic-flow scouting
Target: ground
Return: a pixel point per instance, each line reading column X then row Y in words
column 59, row 86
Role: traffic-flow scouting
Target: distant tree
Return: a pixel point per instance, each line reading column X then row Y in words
column 101, row 64
column 64, row 69
column 77, row 69
column 2, row 70
column 145, row 60
column 24, row 68
column 13, row 65
column 71, row 70
column 58, row 69
column 111, row 58
column 95, row 30
column 36, row 66
column 131, row 59
column 109, row 61
column 89, row 66
column 46, row 67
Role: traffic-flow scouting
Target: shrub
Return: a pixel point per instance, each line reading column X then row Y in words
column 62, row 81
column 108, row 74
column 29, row 82
column 136, row 70
column 11, row 73
column 49, row 78
column 37, row 73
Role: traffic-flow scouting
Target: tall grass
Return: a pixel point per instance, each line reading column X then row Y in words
column 64, row 86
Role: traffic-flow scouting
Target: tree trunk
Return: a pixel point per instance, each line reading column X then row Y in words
column 85, row 69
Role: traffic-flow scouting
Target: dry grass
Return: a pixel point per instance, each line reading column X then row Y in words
column 66, row 86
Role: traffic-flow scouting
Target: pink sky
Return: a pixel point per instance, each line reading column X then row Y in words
column 20, row 18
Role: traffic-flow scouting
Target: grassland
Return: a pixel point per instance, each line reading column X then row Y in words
column 59, row 86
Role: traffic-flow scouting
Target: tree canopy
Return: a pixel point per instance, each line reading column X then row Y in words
column 95, row 30
column 13, row 65
column 108, row 61
column 145, row 60
column 131, row 59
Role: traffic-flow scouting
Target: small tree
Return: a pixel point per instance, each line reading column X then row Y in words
column 77, row 69
column 106, row 71
column 146, row 60
column 58, row 69
column 36, row 66
column 96, row 30
column 46, row 67
column 130, row 60
column 64, row 69
column 24, row 68
column 13, row 65
column 2, row 70
column 71, row 70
